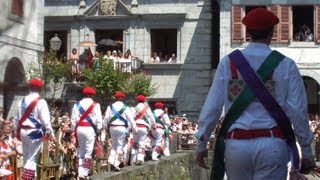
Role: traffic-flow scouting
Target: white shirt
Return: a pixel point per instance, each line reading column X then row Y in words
column 148, row 115
column 289, row 93
column 95, row 114
column 40, row 112
column 164, row 119
column 127, row 115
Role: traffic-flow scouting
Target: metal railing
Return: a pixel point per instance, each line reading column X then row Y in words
column 132, row 65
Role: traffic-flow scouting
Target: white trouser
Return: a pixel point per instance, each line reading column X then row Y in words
column 86, row 139
column 157, row 142
column 118, row 140
column 138, row 148
column 256, row 159
column 166, row 151
column 31, row 151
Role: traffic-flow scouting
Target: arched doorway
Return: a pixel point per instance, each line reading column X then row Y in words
column 312, row 90
column 14, row 84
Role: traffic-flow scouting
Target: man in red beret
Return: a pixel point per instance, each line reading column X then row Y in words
column 255, row 136
column 33, row 115
column 119, row 121
column 160, row 132
column 86, row 121
column 144, row 121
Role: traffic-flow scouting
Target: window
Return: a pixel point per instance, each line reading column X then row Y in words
column 17, row 7
column 297, row 23
column 302, row 21
column 164, row 43
column 110, row 35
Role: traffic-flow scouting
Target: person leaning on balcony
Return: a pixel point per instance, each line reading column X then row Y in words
column 33, row 116
column 173, row 58
column 86, row 122
column 251, row 143
column 155, row 57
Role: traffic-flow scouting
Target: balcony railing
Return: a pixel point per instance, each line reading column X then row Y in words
column 132, row 65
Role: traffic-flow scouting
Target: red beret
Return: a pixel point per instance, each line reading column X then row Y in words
column 159, row 105
column 88, row 91
column 119, row 94
column 36, row 83
column 260, row 19
column 141, row 98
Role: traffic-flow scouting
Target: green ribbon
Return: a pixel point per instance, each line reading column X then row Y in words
column 166, row 132
column 236, row 109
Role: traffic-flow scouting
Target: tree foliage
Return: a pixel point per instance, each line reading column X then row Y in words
column 107, row 80
column 50, row 68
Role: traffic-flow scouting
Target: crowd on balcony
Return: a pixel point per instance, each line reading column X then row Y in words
column 163, row 57
column 121, row 61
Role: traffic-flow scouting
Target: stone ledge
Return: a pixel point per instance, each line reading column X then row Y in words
column 178, row 166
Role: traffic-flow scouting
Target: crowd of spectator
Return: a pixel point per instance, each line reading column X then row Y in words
column 315, row 128
column 11, row 148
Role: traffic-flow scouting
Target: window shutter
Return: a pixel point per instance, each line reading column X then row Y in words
column 284, row 24
column 317, row 24
column 275, row 10
column 17, row 7
column 237, row 27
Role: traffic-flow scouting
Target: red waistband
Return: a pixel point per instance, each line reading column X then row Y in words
column 117, row 125
column 84, row 123
column 27, row 127
column 250, row 134
column 159, row 127
column 142, row 126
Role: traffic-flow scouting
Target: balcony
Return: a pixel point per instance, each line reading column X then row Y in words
column 131, row 66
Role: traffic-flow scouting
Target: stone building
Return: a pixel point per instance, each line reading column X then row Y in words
column 182, row 27
column 289, row 38
column 199, row 32
column 21, row 42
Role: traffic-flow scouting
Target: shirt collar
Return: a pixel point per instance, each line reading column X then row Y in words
column 257, row 45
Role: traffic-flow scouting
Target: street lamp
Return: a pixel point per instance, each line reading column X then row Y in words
column 55, row 43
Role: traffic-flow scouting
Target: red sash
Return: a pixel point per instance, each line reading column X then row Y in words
column 83, row 117
column 141, row 113
column 26, row 114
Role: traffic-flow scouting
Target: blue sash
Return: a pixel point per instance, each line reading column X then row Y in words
column 118, row 115
column 37, row 133
column 88, row 118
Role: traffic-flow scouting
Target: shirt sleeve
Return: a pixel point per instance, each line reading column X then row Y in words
column 98, row 113
column 74, row 117
column 151, row 118
column 107, row 117
column 129, row 117
column 211, row 109
column 296, row 110
column 44, row 116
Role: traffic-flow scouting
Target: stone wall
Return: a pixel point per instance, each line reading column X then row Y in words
column 178, row 166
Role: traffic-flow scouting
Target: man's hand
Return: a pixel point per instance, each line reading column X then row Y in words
column 200, row 159
column 307, row 165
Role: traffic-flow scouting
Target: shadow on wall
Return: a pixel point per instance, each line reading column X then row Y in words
column 202, row 58
column 14, row 83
